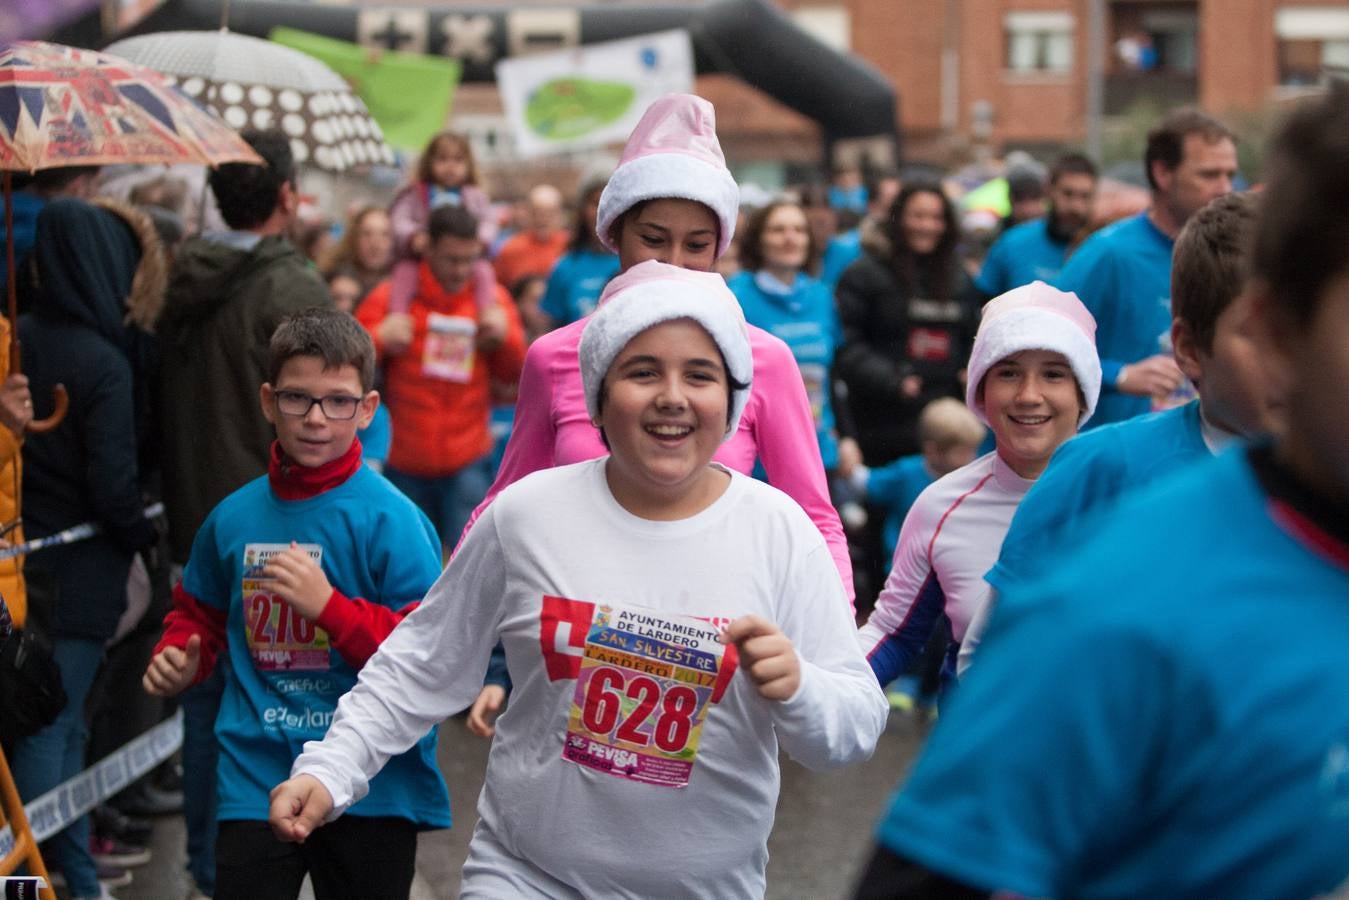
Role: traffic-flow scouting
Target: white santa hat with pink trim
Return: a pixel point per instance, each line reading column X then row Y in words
column 1036, row 316
column 650, row 293
column 673, row 152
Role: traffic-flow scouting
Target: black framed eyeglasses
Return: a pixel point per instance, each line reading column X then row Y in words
column 334, row 406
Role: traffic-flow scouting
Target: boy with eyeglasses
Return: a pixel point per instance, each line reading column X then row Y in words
column 298, row 577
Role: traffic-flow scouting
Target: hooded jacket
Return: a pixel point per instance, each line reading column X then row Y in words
column 12, row 588
column 891, row 330
column 223, row 304
column 100, row 279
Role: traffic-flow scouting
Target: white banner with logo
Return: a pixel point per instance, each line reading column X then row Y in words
column 593, row 95
column 65, row 803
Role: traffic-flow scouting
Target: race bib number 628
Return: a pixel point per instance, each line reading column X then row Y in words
column 644, row 685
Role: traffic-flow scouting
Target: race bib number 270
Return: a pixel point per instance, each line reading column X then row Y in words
column 645, row 682
column 279, row 638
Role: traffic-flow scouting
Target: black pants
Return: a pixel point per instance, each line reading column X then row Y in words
column 352, row 858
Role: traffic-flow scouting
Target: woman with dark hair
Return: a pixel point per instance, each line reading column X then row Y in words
column 580, row 275
column 909, row 313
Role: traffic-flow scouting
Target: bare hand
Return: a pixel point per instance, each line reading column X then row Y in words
column 172, row 670
column 483, row 713
column 1155, row 376
column 492, row 324
column 766, row 656
column 395, row 333
column 16, row 404
column 911, row 386
column 299, row 805
column 299, row 581
column 849, row 457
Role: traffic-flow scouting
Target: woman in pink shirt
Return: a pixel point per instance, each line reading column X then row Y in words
column 671, row 199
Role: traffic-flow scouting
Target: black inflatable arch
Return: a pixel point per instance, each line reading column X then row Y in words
column 750, row 39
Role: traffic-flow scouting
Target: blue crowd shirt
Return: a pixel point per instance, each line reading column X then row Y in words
column 841, row 252
column 575, row 285
column 1084, row 477
column 1122, row 273
column 803, row 316
column 1136, row 732
column 1024, row 253
column 377, row 437
column 284, row 679
column 895, row 486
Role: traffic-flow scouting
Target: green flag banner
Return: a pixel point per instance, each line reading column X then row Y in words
column 408, row 94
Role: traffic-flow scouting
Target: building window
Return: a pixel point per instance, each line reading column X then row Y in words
column 1039, row 41
column 1312, row 39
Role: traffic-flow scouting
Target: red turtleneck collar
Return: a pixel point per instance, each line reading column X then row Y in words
column 295, row 482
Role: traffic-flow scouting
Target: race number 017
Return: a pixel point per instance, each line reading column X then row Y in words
column 603, row 707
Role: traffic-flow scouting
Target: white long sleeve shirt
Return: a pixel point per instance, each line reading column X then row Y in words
column 950, row 538
column 554, row 567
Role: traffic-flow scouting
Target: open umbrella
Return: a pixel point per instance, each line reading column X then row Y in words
column 63, row 106
column 250, row 81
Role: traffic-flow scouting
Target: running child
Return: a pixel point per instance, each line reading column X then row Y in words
column 297, row 577
column 634, row 759
column 1139, row 723
column 1214, row 347
column 1034, row 378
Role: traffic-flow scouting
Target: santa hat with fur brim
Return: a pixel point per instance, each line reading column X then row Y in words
column 672, row 153
column 651, row 293
column 1036, row 317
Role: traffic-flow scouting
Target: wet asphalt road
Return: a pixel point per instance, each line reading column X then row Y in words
column 821, row 837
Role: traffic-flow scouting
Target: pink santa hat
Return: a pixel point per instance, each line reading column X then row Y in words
column 673, row 152
column 650, row 293
column 1036, row 316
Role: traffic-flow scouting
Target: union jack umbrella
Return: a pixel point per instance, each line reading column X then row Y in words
column 64, row 106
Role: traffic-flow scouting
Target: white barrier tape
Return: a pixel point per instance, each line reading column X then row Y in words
column 63, row 804
column 69, row 536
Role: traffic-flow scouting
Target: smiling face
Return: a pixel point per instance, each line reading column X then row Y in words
column 923, row 222
column 682, row 233
column 313, row 439
column 664, row 405
column 1031, row 402
column 374, row 241
column 449, row 164
column 451, row 260
column 785, row 241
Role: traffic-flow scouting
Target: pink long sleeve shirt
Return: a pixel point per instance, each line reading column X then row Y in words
column 552, row 428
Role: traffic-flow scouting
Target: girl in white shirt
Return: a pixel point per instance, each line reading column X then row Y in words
column 633, row 761
column 1033, row 378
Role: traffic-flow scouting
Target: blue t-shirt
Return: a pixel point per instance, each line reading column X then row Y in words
column 1086, row 475
column 803, row 317
column 575, row 285
column 1122, row 273
column 895, row 486
column 1137, row 731
column 1024, row 253
column 284, row 681
column 377, row 437
column 841, row 252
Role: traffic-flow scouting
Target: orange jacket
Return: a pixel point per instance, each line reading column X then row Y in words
column 11, row 470
column 439, row 390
